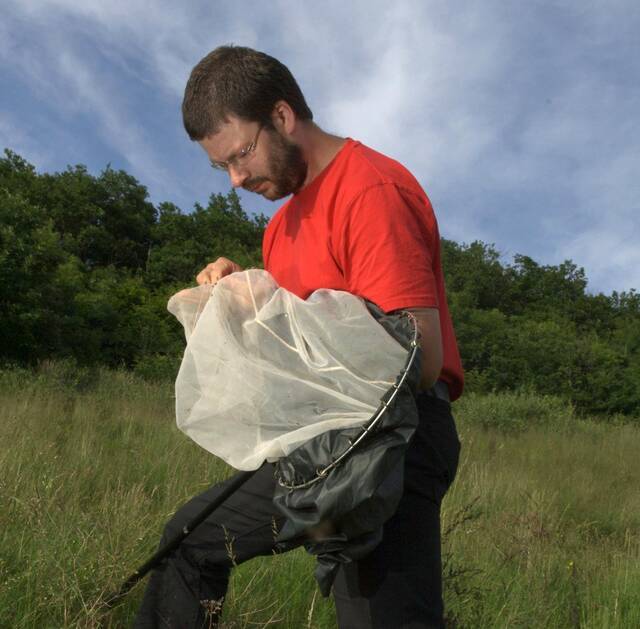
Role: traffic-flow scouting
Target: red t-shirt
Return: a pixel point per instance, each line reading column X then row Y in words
column 364, row 225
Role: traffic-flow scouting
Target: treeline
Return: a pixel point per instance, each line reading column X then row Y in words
column 87, row 264
column 526, row 325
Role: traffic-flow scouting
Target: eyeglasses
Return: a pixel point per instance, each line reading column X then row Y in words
column 242, row 157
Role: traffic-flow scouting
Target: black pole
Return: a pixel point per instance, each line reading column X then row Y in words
column 235, row 484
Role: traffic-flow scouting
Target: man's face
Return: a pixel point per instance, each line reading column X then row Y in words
column 273, row 167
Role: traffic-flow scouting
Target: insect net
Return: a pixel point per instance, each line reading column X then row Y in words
column 265, row 371
column 324, row 387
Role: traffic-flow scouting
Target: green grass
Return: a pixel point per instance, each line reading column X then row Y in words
column 541, row 527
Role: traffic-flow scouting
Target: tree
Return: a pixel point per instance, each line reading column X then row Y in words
column 182, row 244
column 87, row 265
column 36, row 279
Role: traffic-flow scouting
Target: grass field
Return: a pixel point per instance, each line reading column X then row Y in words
column 542, row 527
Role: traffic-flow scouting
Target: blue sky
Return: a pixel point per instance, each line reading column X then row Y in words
column 521, row 120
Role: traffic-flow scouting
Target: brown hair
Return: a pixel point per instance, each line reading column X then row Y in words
column 239, row 81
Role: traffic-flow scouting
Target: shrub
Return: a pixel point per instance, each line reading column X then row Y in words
column 514, row 411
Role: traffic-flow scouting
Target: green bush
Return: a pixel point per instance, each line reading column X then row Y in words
column 157, row 368
column 514, row 411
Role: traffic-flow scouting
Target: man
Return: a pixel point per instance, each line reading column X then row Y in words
column 357, row 221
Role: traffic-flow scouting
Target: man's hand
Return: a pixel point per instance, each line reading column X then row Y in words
column 215, row 271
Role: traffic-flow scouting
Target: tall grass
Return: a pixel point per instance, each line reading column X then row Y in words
column 555, row 536
column 541, row 528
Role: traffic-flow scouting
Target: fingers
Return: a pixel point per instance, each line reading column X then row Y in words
column 214, row 271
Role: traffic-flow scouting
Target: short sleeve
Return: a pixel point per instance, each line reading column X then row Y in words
column 384, row 242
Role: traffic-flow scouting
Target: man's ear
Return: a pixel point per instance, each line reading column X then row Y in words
column 284, row 118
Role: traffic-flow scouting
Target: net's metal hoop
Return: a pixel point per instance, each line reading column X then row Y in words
column 367, row 429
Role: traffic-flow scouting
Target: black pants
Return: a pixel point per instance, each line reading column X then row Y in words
column 399, row 585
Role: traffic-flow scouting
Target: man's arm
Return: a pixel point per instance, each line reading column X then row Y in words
column 428, row 320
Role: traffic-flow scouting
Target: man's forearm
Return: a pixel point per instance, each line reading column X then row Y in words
column 428, row 321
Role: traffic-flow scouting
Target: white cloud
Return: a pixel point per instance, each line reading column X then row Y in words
column 126, row 136
column 521, row 123
column 16, row 139
column 62, row 74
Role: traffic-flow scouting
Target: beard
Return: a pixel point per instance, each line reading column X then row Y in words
column 287, row 169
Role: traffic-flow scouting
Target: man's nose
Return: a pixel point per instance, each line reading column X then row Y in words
column 237, row 175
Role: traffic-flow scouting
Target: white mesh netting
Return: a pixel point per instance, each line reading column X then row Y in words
column 264, row 370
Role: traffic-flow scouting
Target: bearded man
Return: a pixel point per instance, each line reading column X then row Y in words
column 357, row 221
